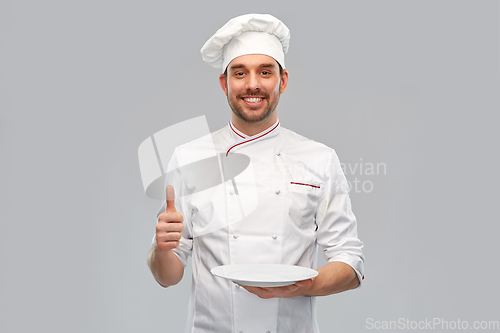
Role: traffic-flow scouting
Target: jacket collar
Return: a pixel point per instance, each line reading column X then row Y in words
column 241, row 139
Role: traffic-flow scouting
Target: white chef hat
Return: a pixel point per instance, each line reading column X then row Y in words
column 247, row 34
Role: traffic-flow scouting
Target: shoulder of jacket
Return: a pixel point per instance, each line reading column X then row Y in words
column 301, row 142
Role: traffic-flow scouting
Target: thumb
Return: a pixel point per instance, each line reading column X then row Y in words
column 170, row 199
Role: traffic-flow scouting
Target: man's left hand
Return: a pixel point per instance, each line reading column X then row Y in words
column 284, row 292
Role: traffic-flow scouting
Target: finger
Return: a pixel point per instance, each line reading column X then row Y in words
column 169, row 218
column 260, row 292
column 167, row 245
column 168, row 237
column 170, row 199
column 292, row 289
column 173, row 227
column 252, row 289
column 304, row 283
column 282, row 290
column 271, row 292
column 165, row 228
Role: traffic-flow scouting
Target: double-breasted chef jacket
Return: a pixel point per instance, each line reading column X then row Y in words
column 292, row 198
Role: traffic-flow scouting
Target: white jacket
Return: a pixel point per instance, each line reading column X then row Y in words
column 292, row 197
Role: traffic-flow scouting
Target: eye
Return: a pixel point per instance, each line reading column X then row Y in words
column 266, row 72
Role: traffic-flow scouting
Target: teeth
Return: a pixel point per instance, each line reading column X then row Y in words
column 253, row 100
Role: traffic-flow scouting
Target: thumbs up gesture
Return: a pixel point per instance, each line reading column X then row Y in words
column 169, row 226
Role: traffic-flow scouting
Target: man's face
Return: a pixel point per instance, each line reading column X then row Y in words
column 253, row 87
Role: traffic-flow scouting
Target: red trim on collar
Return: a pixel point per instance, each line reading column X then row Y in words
column 260, row 136
column 238, row 134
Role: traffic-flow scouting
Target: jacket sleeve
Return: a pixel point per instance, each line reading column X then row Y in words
column 337, row 225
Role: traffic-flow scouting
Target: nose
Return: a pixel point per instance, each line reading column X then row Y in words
column 253, row 82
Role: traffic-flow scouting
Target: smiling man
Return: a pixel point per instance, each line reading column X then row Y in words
column 253, row 84
column 302, row 201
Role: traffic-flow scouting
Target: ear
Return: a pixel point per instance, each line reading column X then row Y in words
column 223, row 83
column 284, row 81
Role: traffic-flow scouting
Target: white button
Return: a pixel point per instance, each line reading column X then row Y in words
column 235, row 236
column 278, row 191
column 237, row 285
column 274, row 236
column 278, row 153
column 231, row 192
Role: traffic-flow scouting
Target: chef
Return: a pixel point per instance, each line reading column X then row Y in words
column 292, row 198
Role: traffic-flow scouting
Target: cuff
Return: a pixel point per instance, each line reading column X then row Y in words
column 355, row 262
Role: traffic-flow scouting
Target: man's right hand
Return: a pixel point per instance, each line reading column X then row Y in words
column 169, row 226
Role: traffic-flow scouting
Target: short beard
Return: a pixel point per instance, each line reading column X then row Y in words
column 238, row 112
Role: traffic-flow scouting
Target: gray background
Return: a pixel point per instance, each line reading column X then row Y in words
column 411, row 84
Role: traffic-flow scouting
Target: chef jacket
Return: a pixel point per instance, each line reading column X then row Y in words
column 294, row 198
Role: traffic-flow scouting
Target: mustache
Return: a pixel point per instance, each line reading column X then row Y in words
column 250, row 93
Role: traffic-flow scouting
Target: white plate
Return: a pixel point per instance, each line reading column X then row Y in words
column 264, row 275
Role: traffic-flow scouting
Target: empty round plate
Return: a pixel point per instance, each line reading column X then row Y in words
column 264, row 275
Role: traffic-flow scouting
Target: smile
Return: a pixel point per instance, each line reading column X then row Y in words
column 252, row 99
